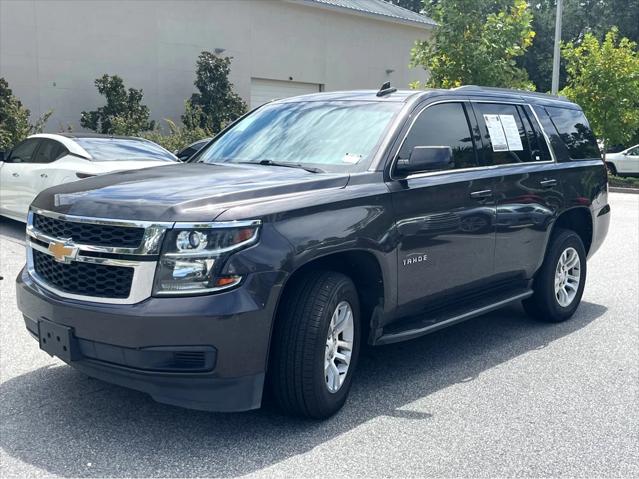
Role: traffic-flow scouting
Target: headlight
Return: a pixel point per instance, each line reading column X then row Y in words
column 193, row 256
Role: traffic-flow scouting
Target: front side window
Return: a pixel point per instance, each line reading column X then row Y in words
column 333, row 136
column 633, row 151
column 107, row 149
column 445, row 124
column 23, row 153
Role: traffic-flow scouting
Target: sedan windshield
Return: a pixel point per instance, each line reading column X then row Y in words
column 330, row 136
column 105, row 149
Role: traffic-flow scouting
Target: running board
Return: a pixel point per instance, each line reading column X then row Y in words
column 413, row 328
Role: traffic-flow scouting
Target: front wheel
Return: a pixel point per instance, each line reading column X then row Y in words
column 315, row 345
column 612, row 169
column 559, row 284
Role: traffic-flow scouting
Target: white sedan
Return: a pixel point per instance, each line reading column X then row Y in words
column 625, row 162
column 45, row 160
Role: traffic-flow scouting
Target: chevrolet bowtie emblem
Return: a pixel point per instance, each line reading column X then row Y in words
column 63, row 252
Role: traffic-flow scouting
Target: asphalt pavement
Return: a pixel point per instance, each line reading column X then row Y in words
column 500, row 395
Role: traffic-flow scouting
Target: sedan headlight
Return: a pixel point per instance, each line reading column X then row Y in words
column 193, row 256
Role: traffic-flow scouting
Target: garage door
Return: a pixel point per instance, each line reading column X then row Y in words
column 266, row 90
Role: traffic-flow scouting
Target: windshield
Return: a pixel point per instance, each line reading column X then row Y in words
column 332, row 136
column 104, row 149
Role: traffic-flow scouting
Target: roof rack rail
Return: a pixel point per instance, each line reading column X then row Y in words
column 509, row 90
column 386, row 89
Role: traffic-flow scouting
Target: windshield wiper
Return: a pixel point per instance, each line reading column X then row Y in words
column 310, row 169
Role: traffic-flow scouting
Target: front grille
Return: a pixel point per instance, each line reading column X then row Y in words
column 86, row 279
column 89, row 233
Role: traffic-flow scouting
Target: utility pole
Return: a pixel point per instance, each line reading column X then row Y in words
column 557, row 52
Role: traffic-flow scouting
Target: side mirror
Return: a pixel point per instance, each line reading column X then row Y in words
column 426, row 158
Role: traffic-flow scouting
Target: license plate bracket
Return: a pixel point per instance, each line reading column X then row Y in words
column 57, row 340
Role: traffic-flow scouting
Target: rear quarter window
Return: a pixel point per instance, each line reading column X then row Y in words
column 575, row 133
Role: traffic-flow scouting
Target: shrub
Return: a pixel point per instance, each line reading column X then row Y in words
column 14, row 119
column 215, row 104
column 177, row 137
column 123, row 114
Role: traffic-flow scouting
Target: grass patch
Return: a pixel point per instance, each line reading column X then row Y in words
column 623, row 181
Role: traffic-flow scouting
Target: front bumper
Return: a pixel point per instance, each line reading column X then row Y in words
column 129, row 345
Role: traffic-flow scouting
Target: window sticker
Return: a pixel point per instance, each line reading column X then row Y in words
column 351, row 158
column 496, row 133
column 512, row 132
column 503, row 132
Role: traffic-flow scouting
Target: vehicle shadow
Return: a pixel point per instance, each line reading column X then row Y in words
column 12, row 230
column 62, row 422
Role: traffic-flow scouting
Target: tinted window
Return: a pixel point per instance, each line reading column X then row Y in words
column 104, row 149
column 504, row 136
column 634, row 151
column 445, row 124
column 23, row 153
column 50, row 150
column 538, row 145
column 575, row 133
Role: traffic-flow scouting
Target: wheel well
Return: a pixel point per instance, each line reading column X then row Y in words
column 579, row 221
column 363, row 269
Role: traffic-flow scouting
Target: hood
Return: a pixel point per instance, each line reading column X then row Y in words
column 181, row 192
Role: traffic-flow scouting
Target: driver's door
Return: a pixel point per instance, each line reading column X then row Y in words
column 16, row 179
column 445, row 219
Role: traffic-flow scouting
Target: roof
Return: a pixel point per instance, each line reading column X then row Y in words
column 464, row 92
column 398, row 96
column 98, row 135
column 379, row 9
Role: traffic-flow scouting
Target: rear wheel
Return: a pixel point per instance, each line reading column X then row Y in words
column 315, row 345
column 559, row 284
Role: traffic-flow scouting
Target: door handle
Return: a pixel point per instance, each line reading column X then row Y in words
column 481, row 194
column 15, row 174
column 44, row 175
column 548, row 183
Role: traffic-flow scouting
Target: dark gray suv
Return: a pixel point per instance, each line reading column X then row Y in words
column 307, row 228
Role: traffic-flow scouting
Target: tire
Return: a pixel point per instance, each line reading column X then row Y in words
column 297, row 376
column 546, row 304
column 612, row 169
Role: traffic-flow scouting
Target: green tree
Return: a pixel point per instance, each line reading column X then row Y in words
column 604, row 79
column 476, row 42
column 14, row 119
column 579, row 17
column 215, row 104
column 123, row 114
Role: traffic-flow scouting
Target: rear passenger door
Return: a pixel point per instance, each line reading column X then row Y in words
column 444, row 219
column 527, row 189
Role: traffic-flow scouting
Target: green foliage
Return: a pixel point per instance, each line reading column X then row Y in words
column 14, row 119
column 476, row 42
column 215, row 104
column 603, row 78
column 177, row 137
column 123, row 114
column 579, row 17
column 623, row 181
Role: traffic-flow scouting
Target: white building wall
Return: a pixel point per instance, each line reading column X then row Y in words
column 51, row 51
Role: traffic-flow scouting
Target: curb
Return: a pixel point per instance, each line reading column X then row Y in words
column 619, row 189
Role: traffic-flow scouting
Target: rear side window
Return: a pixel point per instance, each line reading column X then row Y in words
column 50, row 150
column 575, row 132
column 445, row 124
column 506, row 140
